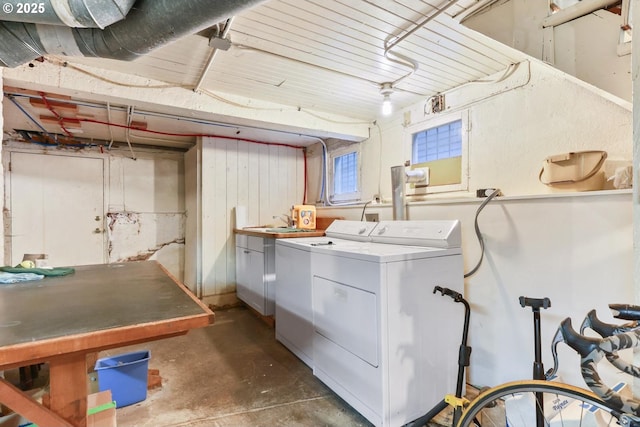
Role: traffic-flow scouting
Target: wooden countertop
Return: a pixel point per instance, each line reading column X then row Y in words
column 261, row 232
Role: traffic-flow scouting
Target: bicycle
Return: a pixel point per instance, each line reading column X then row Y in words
column 516, row 403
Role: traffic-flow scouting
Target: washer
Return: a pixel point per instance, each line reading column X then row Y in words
column 293, row 312
column 382, row 341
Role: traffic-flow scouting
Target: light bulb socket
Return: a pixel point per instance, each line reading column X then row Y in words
column 386, row 89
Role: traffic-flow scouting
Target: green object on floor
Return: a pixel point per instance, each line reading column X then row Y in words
column 58, row 271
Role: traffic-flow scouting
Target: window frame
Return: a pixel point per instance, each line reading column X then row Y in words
column 352, row 196
column 434, row 122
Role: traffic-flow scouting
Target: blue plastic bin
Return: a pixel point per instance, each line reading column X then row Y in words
column 125, row 375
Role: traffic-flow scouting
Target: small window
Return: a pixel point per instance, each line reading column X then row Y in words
column 438, row 143
column 346, row 171
column 441, row 145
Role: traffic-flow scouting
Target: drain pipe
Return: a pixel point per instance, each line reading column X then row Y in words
column 400, row 176
column 398, row 197
column 578, row 10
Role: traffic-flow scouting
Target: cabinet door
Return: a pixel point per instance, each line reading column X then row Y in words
column 256, row 297
column 242, row 276
column 250, row 278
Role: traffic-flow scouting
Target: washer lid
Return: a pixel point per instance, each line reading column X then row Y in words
column 436, row 234
column 351, row 230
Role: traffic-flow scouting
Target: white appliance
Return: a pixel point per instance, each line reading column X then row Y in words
column 293, row 312
column 382, row 341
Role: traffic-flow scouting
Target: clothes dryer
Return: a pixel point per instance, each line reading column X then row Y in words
column 382, row 341
column 293, row 312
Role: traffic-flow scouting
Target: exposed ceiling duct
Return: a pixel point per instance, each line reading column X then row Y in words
column 148, row 25
column 72, row 13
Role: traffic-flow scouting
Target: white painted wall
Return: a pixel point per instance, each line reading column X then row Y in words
column 576, row 249
column 266, row 179
column 636, row 160
column 573, row 47
column 512, row 131
column 145, row 203
column 193, row 226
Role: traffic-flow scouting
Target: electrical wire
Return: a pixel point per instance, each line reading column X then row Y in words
column 363, row 209
column 484, row 203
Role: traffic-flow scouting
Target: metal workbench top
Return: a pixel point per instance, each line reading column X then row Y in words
column 93, row 298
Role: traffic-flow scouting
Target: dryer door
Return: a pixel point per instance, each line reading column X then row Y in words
column 347, row 316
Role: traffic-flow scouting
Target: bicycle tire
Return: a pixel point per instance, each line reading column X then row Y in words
column 488, row 409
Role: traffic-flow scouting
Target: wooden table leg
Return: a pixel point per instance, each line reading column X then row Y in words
column 28, row 407
column 68, row 388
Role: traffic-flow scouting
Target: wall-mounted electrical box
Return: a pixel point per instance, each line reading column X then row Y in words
column 371, row 217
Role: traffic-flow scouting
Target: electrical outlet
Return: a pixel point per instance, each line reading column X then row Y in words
column 371, row 217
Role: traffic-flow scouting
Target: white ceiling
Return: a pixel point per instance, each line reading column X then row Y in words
column 316, row 55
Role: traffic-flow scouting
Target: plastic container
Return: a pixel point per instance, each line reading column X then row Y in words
column 125, row 375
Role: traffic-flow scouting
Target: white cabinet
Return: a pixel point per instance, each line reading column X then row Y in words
column 255, row 272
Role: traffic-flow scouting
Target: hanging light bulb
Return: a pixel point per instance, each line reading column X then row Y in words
column 386, row 90
column 387, row 107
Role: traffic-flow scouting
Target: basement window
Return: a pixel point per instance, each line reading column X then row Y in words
column 346, row 175
column 441, row 145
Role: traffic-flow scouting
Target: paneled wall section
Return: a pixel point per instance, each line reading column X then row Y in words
column 265, row 179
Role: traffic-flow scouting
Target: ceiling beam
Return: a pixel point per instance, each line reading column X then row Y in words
column 57, row 105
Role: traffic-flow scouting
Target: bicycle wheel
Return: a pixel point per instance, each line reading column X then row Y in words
column 515, row 405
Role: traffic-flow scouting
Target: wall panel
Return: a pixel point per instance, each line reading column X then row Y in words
column 266, row 179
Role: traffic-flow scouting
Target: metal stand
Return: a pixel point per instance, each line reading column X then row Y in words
column 538, row 369
column 464, row 354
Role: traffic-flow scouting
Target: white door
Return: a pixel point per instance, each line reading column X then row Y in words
column 57, row 208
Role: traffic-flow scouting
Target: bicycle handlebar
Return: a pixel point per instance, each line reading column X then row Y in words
column 591, row 351
column 625, row 311
column 605, row 329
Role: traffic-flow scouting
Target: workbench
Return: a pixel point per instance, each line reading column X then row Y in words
column 61, row 320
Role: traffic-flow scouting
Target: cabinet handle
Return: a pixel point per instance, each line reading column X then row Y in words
column 247, row 252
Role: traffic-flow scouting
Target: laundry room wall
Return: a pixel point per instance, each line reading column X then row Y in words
column 514, row 125
column 144, row 200
column 224, row 174
column 575, row 248
column 146, row 210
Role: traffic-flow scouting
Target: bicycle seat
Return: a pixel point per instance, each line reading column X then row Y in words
column 625, row 311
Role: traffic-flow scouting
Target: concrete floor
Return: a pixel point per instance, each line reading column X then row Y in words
column 233, row 373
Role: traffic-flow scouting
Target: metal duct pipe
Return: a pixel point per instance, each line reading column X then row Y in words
column 70, row 13
column 398, row 198
column 576, row 11
column 149, row 25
